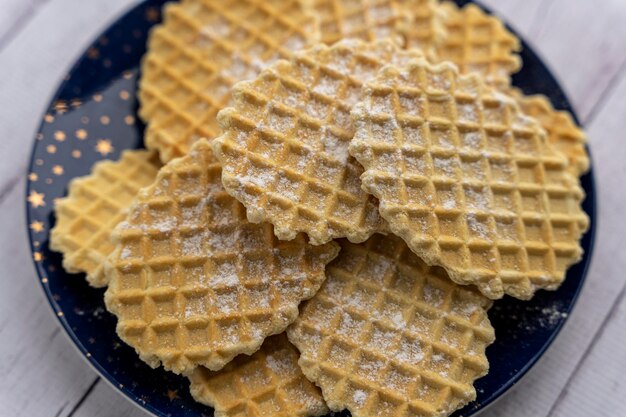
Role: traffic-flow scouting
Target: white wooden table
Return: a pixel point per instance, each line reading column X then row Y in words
column 584, row 41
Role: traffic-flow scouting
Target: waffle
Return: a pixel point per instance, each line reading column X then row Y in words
column 422, row 26
column 478, row 42
column 93, row 206
column 563, row 133
column 192, row 282
column 285, row 142
column 388, row 335
column 197, row 54
column 367, row 20
column 266, row 384
column 468, row 181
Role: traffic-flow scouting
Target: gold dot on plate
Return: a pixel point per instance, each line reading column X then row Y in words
column 36, row 244
column 93, row 53
column 51, row 149
column 36, row 199
column 105, row 120
column 39, row 162
column 48, row 118
column 59, row 135
column 127, row 75
column 57, row 170
column 37, row 256
column 39, row 136
column 124, row 95
column 36, row 227
column 44, row 280
column 77, row 153
column 104, row 147
column 129, row 120
column 152, row 14
column 76, row 102
column 103, row 40
column 48, row 181
column 81, row 134
column 84, row 120
column 33, row 177
column 97, row 98
column 60, row 314
column 88, row 355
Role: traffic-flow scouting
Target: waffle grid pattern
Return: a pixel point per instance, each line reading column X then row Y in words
column 563, row 133
column 192, row 282
column 367, row 20
column 199, row 52
column 94, row 205
column 479, row 43
column 468, row 181
column 285, row 143
column 422, row 25
column 266, row 384
column 388, row 335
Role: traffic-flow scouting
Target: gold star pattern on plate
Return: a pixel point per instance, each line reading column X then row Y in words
column 48, row 118
column 81, row 134
column 36, row 199
column 124, row 95
column 172, row 394
column 104, row 147
column 105, row 120
column 129, row 120
column 152, row 14
column 57, row 170
column 36, row 227
column 33, row 177
column 97, row 98
column 93, row 53
column 51, row 149
column 76, row 153
column 59, row 136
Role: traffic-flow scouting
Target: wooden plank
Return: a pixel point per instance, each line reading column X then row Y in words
column 33, row 65
column 15, row 16
column 41, row 372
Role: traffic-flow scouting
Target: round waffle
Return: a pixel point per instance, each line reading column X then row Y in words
column 199, row 51
column 94, row 205
column 468, row 181
column 192, row 282
column 285, row 142
column 388, row 335
column 267, row 384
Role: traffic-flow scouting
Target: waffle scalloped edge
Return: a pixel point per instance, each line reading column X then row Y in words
column 467, row 180
column 267, row 384
column 192, row 282
column 93, row 206
column 388, row 335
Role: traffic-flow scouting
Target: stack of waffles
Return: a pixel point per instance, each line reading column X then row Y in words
column 335, row 192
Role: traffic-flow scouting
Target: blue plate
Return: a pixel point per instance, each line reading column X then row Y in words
column 93, row 117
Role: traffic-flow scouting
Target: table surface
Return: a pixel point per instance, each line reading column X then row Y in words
column 583, row 41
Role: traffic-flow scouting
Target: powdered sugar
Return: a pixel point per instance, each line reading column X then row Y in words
column 359, row 397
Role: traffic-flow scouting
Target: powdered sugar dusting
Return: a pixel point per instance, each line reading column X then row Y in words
column 359, row 397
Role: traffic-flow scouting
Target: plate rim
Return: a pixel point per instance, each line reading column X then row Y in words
column 497, row 395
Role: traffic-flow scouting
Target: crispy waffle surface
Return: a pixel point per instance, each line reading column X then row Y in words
column 285, row 142
column 192, row 282
column 267, row 384
column 389, row 335
column 468, row 181
column 94, row 205
column 200, row 50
